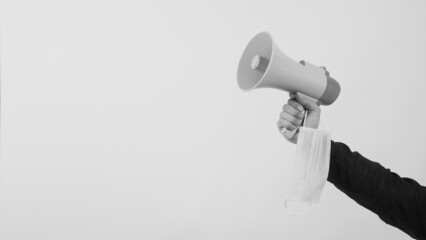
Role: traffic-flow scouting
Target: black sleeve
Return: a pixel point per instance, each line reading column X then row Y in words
column 400, row 202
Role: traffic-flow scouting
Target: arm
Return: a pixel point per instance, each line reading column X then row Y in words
column 400, row 202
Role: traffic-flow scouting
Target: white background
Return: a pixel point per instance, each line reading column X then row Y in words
column 123, row 119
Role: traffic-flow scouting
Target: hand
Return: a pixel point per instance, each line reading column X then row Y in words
column 293, row 113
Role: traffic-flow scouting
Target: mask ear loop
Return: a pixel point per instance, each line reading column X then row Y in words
column 294, row 213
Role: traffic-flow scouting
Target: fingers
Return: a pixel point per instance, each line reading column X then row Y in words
column 306, row 103
column 295, row 120
column 293, row 103
column 292, row 111
column 290, row 118
column 284, row 124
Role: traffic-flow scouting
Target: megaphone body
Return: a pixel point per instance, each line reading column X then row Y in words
column 264, row 65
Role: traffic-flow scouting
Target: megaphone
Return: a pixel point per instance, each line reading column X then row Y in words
column 264, row 65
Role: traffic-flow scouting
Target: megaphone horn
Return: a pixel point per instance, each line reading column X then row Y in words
column 264, row 65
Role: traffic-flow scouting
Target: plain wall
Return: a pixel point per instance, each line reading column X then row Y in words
column 123, row 119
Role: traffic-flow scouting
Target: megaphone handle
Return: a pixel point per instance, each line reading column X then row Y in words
column 290, row 133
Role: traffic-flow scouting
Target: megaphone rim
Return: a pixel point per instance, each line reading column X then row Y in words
column 271, row 40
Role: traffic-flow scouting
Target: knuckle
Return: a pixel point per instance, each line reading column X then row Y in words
column 281, row 123
column 293, row 120
column 286, row 107
column 296, row 105
column 291, row 110
column 291, row 102
column 286, row 124
column 284, row 115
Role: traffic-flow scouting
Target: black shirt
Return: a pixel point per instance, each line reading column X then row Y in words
column 398, row 201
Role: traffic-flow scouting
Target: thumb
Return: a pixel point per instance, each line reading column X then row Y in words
column 308, row 104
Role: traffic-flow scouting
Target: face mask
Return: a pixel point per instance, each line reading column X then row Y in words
column 310, row 170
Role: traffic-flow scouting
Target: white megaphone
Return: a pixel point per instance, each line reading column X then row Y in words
column 263, row 65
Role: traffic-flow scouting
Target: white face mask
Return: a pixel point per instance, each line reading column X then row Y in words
column 310, row 170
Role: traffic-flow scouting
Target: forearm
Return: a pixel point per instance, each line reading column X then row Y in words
column 400, row 202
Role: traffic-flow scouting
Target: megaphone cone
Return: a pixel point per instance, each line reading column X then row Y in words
column 264, row 65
